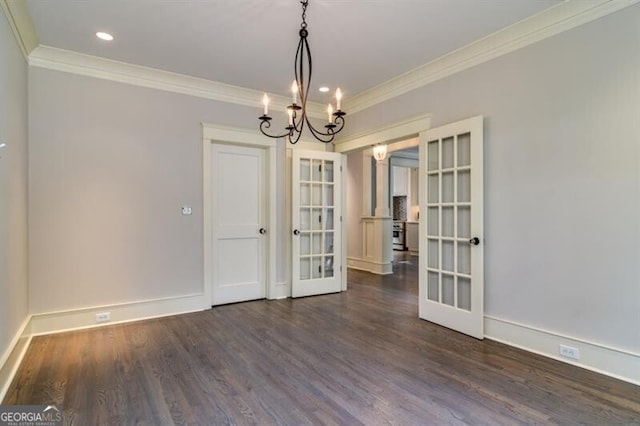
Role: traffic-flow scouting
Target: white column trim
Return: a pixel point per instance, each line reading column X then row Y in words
column 382, row 188
column 367, row 190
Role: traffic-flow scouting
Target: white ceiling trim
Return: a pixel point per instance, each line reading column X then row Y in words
column 20, row 22
column 388, row 134
column 95, row 66
column 565, row 16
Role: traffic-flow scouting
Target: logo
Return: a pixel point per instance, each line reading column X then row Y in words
column 30, row 415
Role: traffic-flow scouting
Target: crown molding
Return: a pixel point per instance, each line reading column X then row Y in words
column 562, row 17
column 391, row 133
column 94, row 66
column 19, row 19
column 557, row 19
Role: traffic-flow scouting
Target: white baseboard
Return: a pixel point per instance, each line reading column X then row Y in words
column 76, row 319
column 620, row 364
column 613, row 362
column 369, row 266
column 12, row 358
column 282, row 291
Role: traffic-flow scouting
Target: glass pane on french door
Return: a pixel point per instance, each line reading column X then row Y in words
column 316, row 212
column 448, row 228
column 451, row 291
column 317, row 218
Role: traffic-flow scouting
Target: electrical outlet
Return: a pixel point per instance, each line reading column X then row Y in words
column 103, row 317
column 569, row 352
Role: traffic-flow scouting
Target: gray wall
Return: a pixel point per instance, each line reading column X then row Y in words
column 110, row 165
column 562, row 176
column 13, row 187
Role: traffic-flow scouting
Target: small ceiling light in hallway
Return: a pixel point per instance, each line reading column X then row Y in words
column 380, row 152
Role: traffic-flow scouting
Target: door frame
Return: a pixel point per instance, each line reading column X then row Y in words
column 397, row 136
column 213, row 133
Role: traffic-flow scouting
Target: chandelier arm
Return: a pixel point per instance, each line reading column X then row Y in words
column 327, row 137
column 294, row 139
column 297, row 65
column 298, row 124
column 307, row 86
column 333, row 128
column 300, row 79
column 295, row 122
column 338, row 121
column 265, row 123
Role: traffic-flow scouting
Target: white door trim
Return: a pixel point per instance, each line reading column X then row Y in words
column 212, row 133
column 398, row 131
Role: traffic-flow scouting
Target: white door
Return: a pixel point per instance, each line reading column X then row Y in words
column 451, row 227
column 317, row 223
column 238, row 214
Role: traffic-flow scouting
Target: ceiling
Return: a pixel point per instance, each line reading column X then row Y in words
column 355, row 44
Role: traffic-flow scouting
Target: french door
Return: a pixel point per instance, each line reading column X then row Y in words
column 451, row 273
column 316, row 222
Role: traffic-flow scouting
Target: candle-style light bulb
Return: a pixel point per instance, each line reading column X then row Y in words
column 290, row 112
column 330, row 113
column 338, row 98
column 265, row 102
column 294, row 91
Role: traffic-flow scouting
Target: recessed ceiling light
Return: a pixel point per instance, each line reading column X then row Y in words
column 324, row 89
column 104, row 36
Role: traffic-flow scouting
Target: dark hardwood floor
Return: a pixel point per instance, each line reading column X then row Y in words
column 358, row 357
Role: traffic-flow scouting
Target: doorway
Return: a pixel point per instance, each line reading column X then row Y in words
column 235, row 223
column 238, row 224
column 451, row 283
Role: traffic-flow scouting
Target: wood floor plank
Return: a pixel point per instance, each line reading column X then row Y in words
column 357, row 357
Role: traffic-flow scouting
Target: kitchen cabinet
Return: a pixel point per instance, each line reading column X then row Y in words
column 413, row 186
column 400, row 180
column 412, row 237
column 414, row 200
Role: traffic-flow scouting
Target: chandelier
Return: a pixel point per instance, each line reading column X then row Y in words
column 297, row 114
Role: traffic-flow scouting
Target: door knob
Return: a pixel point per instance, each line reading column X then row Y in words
column 262, row 231
column 296, row 232
column 474, row 241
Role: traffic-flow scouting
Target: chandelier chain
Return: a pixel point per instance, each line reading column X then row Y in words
column 304, row 3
